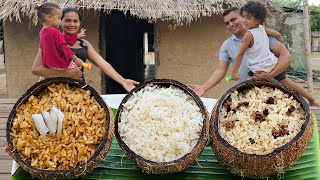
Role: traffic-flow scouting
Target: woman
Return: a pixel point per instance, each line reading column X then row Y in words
column 84, row 50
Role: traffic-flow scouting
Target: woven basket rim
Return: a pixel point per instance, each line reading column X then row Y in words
column 26, row 96
column 260, row 83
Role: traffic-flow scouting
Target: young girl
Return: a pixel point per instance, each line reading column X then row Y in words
column 55, row 52
column 255, row 47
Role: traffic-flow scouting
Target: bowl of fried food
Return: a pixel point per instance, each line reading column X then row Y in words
column 59, row 129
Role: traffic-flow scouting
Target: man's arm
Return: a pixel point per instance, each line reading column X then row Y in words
column 284, row 60
column 40, row 70
column 214, row 79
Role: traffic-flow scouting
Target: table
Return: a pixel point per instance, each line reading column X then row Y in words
column 113, row 101
column 115, row 164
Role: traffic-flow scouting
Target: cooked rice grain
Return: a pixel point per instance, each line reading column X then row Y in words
column 247, row 129
column 160, row 124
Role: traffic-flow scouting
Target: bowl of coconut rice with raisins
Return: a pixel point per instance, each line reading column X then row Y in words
column 259, row 128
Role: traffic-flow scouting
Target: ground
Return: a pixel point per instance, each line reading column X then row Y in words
column 315, row 59
column 3, row 84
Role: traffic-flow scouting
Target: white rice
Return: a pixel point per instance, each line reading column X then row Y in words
column 246, row 127
column 160, row 124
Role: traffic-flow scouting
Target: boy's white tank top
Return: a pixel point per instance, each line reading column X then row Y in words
column 259, row 57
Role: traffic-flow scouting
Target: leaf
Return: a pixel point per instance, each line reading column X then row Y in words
column 117, row 166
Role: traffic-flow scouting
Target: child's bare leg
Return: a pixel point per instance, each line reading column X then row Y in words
column 303, row 92
column 251, row 77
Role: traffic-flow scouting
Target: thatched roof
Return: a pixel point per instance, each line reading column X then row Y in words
column 177, row 11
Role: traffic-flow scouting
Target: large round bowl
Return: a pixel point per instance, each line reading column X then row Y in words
column 176, row 165
column 79, row 169
column 265, row 165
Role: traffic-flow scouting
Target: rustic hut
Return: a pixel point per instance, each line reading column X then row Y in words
column 187, row 39
column 291, row 25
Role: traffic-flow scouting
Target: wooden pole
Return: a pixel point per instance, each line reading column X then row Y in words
column 307, row 44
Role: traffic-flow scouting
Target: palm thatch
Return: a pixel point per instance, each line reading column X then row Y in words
column 176, row 11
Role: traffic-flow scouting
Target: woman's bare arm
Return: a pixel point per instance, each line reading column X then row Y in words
column 40, row 70
column 97, row 60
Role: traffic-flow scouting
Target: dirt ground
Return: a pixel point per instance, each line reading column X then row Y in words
column 315, row 59
column 315, row 64
column 3, row 84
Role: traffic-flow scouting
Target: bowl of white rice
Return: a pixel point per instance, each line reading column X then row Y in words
column 162, row 126
column 260, row 128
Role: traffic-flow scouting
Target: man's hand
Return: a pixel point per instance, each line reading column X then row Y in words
column 197, row 89
column 235, row 76
column 262, row 75
column 75, row 73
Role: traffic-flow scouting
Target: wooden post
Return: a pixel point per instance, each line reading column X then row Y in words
column 307, row 44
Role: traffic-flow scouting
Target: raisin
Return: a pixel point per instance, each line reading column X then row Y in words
column 258, row 116
column 229, row 124
column 280, row 132
column 270, row 100
column 246, row 104
column 265, row 112
column 228, row 106
column 252, row 141
column 291, row 110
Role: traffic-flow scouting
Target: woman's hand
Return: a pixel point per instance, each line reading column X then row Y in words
column 199, row 90
column 82, row 33
column 41, row 70
column 129, row 84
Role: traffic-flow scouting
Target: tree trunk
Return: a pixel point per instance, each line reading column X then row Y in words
column 307, row 44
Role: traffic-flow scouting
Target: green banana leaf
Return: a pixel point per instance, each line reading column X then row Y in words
column 117, row 166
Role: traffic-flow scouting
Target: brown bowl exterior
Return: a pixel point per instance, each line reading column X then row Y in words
column 172, row 166
column 260, row 166
column 80, row 169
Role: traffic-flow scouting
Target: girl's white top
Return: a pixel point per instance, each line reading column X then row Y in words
column 259, row 57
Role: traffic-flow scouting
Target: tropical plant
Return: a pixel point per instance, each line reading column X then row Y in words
column 289, row 3
column 315, row 18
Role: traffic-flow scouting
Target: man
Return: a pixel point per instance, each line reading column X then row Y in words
column 229, row 50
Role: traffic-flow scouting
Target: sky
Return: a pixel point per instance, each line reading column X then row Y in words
column 315, row 2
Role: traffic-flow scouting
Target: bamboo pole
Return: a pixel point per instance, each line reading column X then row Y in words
column 307, row 44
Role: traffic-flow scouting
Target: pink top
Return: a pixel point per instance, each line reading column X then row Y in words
column 55, row 52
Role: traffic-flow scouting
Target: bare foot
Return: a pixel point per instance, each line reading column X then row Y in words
column 251, row 77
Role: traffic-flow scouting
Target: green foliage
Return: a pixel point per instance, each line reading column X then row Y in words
column 314, row 18
column 117, row 166
column 289, row 3
column 314, row 11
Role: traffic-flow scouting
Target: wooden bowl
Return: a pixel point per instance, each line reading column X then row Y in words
column 253, row 165
column 177, row 165
column 81, row 168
